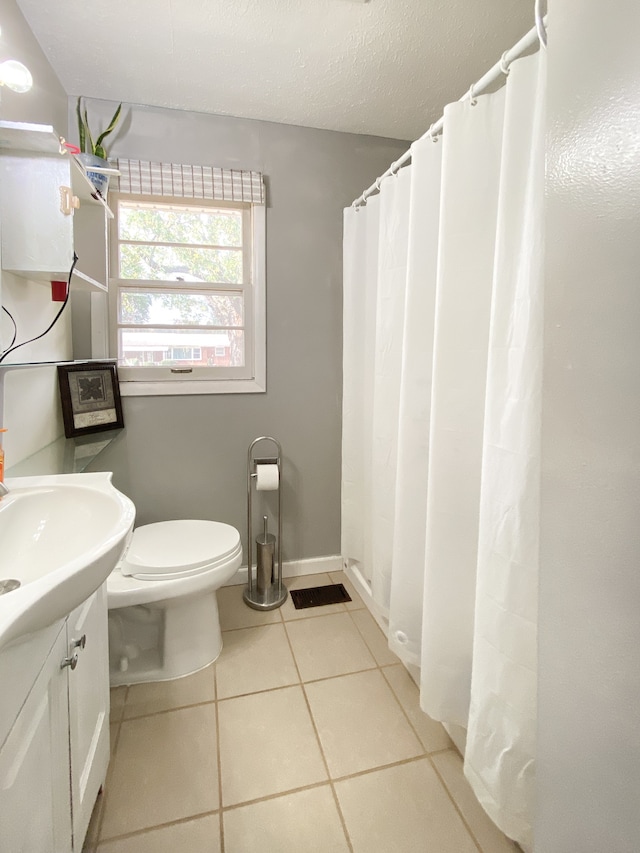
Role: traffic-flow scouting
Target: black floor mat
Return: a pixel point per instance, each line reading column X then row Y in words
column 317, row 596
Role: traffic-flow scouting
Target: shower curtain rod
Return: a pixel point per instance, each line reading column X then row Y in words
column 501, row 67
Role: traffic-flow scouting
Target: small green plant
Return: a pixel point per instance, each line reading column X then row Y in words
column 87, row 145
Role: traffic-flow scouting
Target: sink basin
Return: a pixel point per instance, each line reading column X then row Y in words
column 60, row 538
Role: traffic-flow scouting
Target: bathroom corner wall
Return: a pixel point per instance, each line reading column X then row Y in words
column 184, row 457
column 30, row 398
column 588, row 762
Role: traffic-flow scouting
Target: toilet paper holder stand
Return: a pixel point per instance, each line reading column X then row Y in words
column 262, row 594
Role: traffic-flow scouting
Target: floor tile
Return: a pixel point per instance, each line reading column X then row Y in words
column 117, row 700
column 164, row 769
column 431, row 733
column 360, row 724
column 234, row 613
column 328, row 646
column 356, row 602
column 402, row 809
column 163, row 776
column 305, row 821
column 193, row 836
column 374, row 638
column 157, row 696
column 114, row 732
column 255, row 659
column 288, row 609
column 449, row 764
column 267, row 745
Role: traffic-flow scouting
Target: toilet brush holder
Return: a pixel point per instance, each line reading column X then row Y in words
column 265, row 590
column 265, row 555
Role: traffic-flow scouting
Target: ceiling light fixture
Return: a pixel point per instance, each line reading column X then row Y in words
column 15, row 76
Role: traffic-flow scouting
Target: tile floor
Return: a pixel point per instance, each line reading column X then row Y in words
column 305, row 735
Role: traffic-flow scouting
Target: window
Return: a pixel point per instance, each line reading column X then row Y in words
column 187, row 294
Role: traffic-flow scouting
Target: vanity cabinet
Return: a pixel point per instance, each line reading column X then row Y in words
column 35, row 800
column 54, row 732
column 88, row 707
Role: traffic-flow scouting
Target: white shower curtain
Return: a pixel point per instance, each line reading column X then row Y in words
column 405, row 605
column 502, row 718
column 442, row 371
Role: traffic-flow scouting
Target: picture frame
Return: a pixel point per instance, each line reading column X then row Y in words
column 90, row 397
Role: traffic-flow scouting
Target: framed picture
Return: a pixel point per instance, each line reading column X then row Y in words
column 90, row 397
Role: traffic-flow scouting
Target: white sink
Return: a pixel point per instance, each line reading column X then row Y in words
column 60, row 537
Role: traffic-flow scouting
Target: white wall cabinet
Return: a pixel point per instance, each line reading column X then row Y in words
column 55, row 754
column 40, row 231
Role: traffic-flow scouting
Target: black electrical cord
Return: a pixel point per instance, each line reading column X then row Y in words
column 53, row 322
column 15, row 328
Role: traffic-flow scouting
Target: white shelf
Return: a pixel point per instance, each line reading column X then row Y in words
column 81, row 281
column 101, row 170
column 37, row 138
column 65, row 455
column 84, row 189
column 31, row 365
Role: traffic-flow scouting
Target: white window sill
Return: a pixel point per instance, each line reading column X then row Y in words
column 191, row 386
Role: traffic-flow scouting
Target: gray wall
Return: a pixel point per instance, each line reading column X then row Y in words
column 186, row 456
column 588, row 766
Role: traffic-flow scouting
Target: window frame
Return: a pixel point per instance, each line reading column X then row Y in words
column 139, row 381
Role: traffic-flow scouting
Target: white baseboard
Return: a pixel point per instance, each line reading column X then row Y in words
column 458, row 735
column 296, row 568
column 363, row 588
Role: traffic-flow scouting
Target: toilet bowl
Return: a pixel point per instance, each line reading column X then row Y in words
column 163, row 611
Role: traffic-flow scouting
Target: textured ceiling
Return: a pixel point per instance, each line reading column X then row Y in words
column 383, row 67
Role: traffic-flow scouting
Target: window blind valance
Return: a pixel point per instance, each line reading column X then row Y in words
column 143, row 177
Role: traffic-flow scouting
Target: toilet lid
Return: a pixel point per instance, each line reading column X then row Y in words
column 174, row 548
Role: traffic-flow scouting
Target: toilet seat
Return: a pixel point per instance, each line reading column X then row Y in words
column 167, row 550
column 165, row 576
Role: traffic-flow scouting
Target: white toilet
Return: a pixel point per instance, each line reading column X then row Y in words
column 163, row 612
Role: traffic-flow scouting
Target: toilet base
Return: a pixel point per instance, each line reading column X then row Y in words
column 164, row 640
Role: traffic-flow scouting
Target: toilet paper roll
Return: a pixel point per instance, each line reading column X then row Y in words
column 267, row 479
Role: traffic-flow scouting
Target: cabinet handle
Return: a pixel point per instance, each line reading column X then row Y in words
column 68, row 201
column 71, row 662
column 79, row 644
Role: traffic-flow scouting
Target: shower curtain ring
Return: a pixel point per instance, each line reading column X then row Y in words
column 394, row 169
column 505, row 66
column 472, row 98
column 377, row 184
column 430, row 134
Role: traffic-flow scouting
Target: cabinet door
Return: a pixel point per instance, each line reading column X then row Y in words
column 35, row 806
column 37, row 238
column 88, row 708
